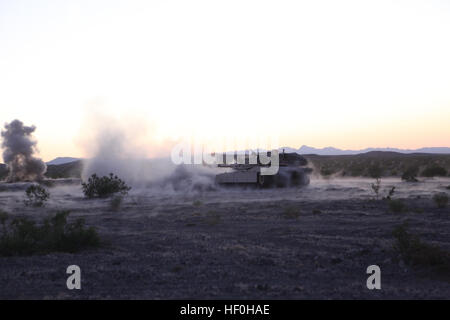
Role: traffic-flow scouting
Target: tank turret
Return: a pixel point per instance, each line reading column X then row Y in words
column 292, row 171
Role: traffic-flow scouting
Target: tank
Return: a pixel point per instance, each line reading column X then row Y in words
column 292, row 172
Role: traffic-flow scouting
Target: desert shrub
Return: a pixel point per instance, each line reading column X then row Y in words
column 326, row 171
column 356, row 170
column 410, row 174
column 24, row 237
column 434, row 171
column 375, row 171
column 415, row 252
column 102, row 187
column 36, row 196
column 376, row 187
column 441, row 200
column 397, row 206
column 390, row 193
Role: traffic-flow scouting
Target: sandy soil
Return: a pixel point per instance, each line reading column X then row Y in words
column 314, row 242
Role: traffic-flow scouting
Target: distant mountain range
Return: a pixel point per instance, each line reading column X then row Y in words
column 330, row 151
column 62, row 160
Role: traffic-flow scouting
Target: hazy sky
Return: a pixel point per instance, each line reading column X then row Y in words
column 350, row 74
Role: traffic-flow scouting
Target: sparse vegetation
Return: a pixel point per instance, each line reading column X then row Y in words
column 376, row 187
column 386, row 163
column 22, row 236
column 375, row 171
column 395, row 205
column 102, row 187
column 410, row 174
column 390, row 193
column 326, row 171
column 415, row 252
column 441, row 200
column 434, row 171
column 36, row 196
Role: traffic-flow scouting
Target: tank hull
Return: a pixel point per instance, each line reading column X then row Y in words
column 286, row 177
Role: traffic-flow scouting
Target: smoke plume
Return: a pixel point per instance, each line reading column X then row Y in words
column 125, row 147
column 19, row 147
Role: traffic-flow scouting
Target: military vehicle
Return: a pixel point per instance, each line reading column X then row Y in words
column 292, row 172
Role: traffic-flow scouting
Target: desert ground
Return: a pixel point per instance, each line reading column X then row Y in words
column 313, row 242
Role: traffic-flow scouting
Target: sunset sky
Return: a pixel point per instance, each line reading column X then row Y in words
column 348, row 74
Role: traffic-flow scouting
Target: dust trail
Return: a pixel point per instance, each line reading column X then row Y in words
column 19, row 149
column 122, row 147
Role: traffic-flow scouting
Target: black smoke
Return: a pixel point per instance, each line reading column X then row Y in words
column 18, row 149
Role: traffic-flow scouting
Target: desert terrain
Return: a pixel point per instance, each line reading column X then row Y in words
column 313, row 242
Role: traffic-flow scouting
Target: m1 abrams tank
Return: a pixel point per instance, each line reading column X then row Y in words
column 292, row 172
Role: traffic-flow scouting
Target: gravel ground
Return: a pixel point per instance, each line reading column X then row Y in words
column 311, row 243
